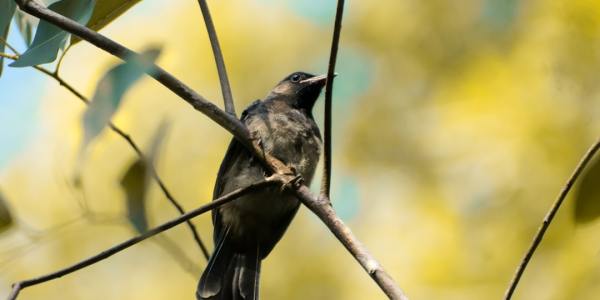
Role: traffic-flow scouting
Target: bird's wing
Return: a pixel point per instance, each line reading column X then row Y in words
column 235, row 152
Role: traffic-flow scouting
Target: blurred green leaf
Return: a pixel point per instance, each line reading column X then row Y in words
column 587, row 198
column 157, row 140
column 7, row 9
column 5, row 217
column 25, row 23
column 49, row 38
column 105, row 12
column 137, row 179
column 134, row 183
column 110, row 91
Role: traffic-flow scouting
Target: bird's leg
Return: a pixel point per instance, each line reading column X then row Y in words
column 288, row 180
column 287, row 175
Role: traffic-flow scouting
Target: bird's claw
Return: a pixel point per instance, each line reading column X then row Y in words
column 288, row 181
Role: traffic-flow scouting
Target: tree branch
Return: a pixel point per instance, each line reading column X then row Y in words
column 17, row 287
column 322, row 208
column 132, row 144
column 239, row 131
column 335, row 41
column 537, row 239
column 214, row 43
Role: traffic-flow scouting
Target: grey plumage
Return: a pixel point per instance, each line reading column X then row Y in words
column 247, row 229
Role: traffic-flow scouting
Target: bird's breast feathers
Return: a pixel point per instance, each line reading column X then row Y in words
column 291, row 137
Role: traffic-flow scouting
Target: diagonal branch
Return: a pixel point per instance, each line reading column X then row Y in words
column 17, row 287
column 335, row 41
column 322, row 208
column 537, row 239
column 214, row 43
column 240, row 132
column 131, row 143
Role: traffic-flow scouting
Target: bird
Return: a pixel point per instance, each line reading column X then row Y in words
column 247, row 229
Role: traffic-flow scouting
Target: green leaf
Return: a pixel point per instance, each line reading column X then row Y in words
column 110, row 91
column 7, row 9
column 105, row 12
column 49, row 39
column 134, row 183
column 136, row 180
column 25, row 23
column 157, row 141
column 6, row 219
column 587, row 198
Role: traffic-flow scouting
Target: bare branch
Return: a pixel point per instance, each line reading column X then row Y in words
column 537, row 239
column 133, row 145
column 335, row 41
column 17, row 287
column 214, row 43
column 239, row 131
column 322, row 208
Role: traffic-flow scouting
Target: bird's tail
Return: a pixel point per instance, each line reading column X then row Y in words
column 230, row 274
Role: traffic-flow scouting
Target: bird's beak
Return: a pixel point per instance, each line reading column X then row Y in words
column 319, row 79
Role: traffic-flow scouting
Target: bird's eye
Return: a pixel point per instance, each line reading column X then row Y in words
column 295, row 78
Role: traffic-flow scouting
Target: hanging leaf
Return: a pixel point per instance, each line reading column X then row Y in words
column 25, row 23
column 5, row 217
column 134, row 183
column 110, row 91
column 49, row 39
column 7, row 9
column 105, row 12
column 587, row 198
column 157, row 140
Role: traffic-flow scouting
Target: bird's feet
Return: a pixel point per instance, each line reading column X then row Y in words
column 289, row 180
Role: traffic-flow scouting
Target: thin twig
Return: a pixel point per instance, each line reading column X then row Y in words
column 231, row 124
column 3, row 41
column 549, row 217
column 335, row 41
column 214, row 43
column 61, row 58
column 135, row 148
column 17, row 287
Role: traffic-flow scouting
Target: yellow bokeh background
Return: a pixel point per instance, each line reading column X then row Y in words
column 456, row 125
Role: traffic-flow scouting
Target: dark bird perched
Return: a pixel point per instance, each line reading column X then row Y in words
column 247, row 229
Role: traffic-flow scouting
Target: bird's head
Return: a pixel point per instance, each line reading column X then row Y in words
column 300, row 89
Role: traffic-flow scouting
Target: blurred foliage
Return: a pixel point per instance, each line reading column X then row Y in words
column 6, row 12
column 134, row 183
column 5, row 217
column 105, row 12
column 587, row 198
column 25, row 24
column 456, row 128
column 110, row 91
